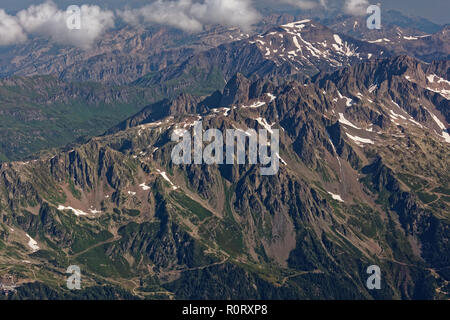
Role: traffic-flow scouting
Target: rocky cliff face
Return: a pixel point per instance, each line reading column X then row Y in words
column 363, row 170
column 299, row 49
column 417, row 39
column 120, row 57
column 50, row 111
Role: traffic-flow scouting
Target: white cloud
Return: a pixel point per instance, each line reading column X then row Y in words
column 306, row 4
column 356, row 7
column 11, row 31
column 172, row 13
column 48, row 21
column 192, row 15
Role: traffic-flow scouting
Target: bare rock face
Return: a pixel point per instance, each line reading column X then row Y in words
column 122, row 56
column 296, row 50
column 236, row 91
column 350, row 192
column 362, row 179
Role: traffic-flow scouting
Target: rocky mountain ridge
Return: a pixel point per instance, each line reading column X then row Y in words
column 363, row 170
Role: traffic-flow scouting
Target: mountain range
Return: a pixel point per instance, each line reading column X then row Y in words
column 87, row 177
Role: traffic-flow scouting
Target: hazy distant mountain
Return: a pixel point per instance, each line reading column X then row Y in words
column 299, row 49
column 399, row 40
column 122, row 56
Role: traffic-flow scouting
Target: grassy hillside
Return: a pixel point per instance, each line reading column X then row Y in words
column 42, row 112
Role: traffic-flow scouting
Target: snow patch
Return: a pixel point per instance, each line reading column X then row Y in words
column 164, row 175
column 443, row 92
column 415, row 122
column 349, row 102
column 264, row 123
column 255, row 105
column 297, row 24
column 281, row 159
column 360, row 140
column 346, row 122
column 440, row 80
column 445, row 133
column 337, row 39
column 272, row 97
column 144, row 187
column 32, row 243
column 373, row 88
column 150, row 125
column 395, row 115
column 336, row 197
column 380, row 40
column 76, row 212
column 294, row 38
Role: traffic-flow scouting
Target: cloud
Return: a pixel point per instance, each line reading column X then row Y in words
column 356, row 7
column 11, row 31
column 192, row 15
column 306, row 4
column 172, row 13
column 352, row 7
column 48, row 21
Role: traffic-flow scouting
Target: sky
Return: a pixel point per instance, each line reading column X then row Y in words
column 24, row 18
column 435, row 10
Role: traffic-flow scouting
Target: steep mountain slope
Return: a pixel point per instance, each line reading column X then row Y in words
column 363, row 180
column 399, row 34
column 398, row 38
column 335, row 19
column 295, row 50
column 308, row 45
column 120, row 57
column 299, row 49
